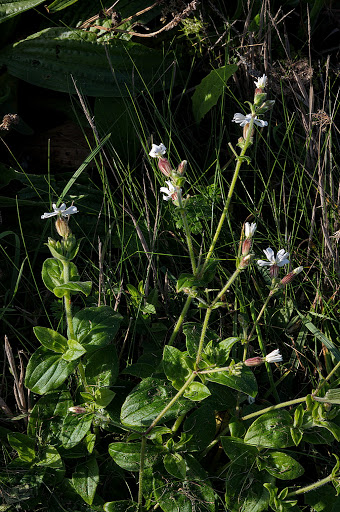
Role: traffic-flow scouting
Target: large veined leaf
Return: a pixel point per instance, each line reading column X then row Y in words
column 96, row 327
column 55, row 57
column 10, row 8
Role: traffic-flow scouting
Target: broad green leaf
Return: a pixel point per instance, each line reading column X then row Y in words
column 49, row 457
column 85, row 479
column 245, row 491
column 148, row 399
column 102, row 367
column 193, row 493
column 90, row 440
column 271, row 430
column 75, row 427
column 323, row 499
column 223, row 350
column 53, row 273
column 121, row 506
column 197, row 391
column 46, row 371
column 24, row 445
column 332, row 397
column 8, row 9
column 186, row 281
column 331, row 427
column 210, row 89
column 58, row 5
column 73, row 287
column 127, row 455
column 244, row 382
column 239, row 452
column 175, row 365
column 96, row 327
column 56, row 58
column 175, row 465
column 50, row 339
column 75, row 350
column 103, row 397
column 281, row 465
column 47, row 416
column 192, row 332
column 200, row 437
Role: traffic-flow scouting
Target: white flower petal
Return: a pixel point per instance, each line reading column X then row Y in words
column 241, row 119
column 260, row 122
column 249, row 229
column 48, row 215
column 274, row 357
column 261, row 82
column 262, row 263
column 61, row 210
column 70, row 211
column 157, row 151
column 270, row 255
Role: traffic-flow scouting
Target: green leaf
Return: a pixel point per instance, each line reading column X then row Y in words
column 197, row 391
column 245, row 489
column 332, row 397
column 96, row 327
column 271, row 430
column 331, row 427
column 49, row 457
column 210, row 89
column 85, row 479
column 47, row 416
column 79, row 286
column 223, row 350
column 244, row 382
column 322, row 499
column 175, row 365
column 46, row 371
column 193, row 493
column 175, row 465
column 75, row 350
column 58, row 5
column 102, row 367
column 50, row 339
column 75, row 427
column 148, row 399
column 8, row 9
column 121, row 506
column 127, row 455
column 56, row 58
column 53, row 273
column 192, row 332
column 321, row 337
column 24, row 445
column 90, row 440
column 201, row 426
column 239, row 452
column 186, row 281
column 281, row 466
column 103, row 397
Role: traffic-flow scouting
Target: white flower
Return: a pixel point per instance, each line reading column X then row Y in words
column 251, row 400
column 243, row 120
column 249, row 229
column 280, row 259
column 62, row 211
column 261, row 82
column 157, row 151
column 274, row 357
column 171, row 192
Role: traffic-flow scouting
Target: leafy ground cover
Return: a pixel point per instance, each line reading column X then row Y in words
column 170, row 256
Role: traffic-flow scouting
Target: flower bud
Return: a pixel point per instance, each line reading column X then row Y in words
column 267, row 105
column 62, row 227
column 259, row 96
column 289, row 277
column 254, row 361
column 182, row 168
column 245, row 261
column 245, row 131
column 164, row 166
column 77, row 409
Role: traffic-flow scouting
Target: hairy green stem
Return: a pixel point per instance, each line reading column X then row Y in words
column 227, row 286
column 273, row 408
column 255, row 324
column 141, row 474
column 201, row 342
column 311, row 487
column 187, row 233
column 180, row 320
column 171, row 403
column 229, row 196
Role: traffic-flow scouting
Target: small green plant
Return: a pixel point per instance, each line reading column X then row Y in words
column 90, row 426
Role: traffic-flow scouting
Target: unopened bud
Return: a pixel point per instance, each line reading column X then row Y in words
column 77, row 409
column 254, row 361
column 267, row 105
column 289, row 277
column 182, row 167
column 164, row 166
column 259, row 96
column 245, row 261
column 62, row 227
column 245, row 131
column 246, row 246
